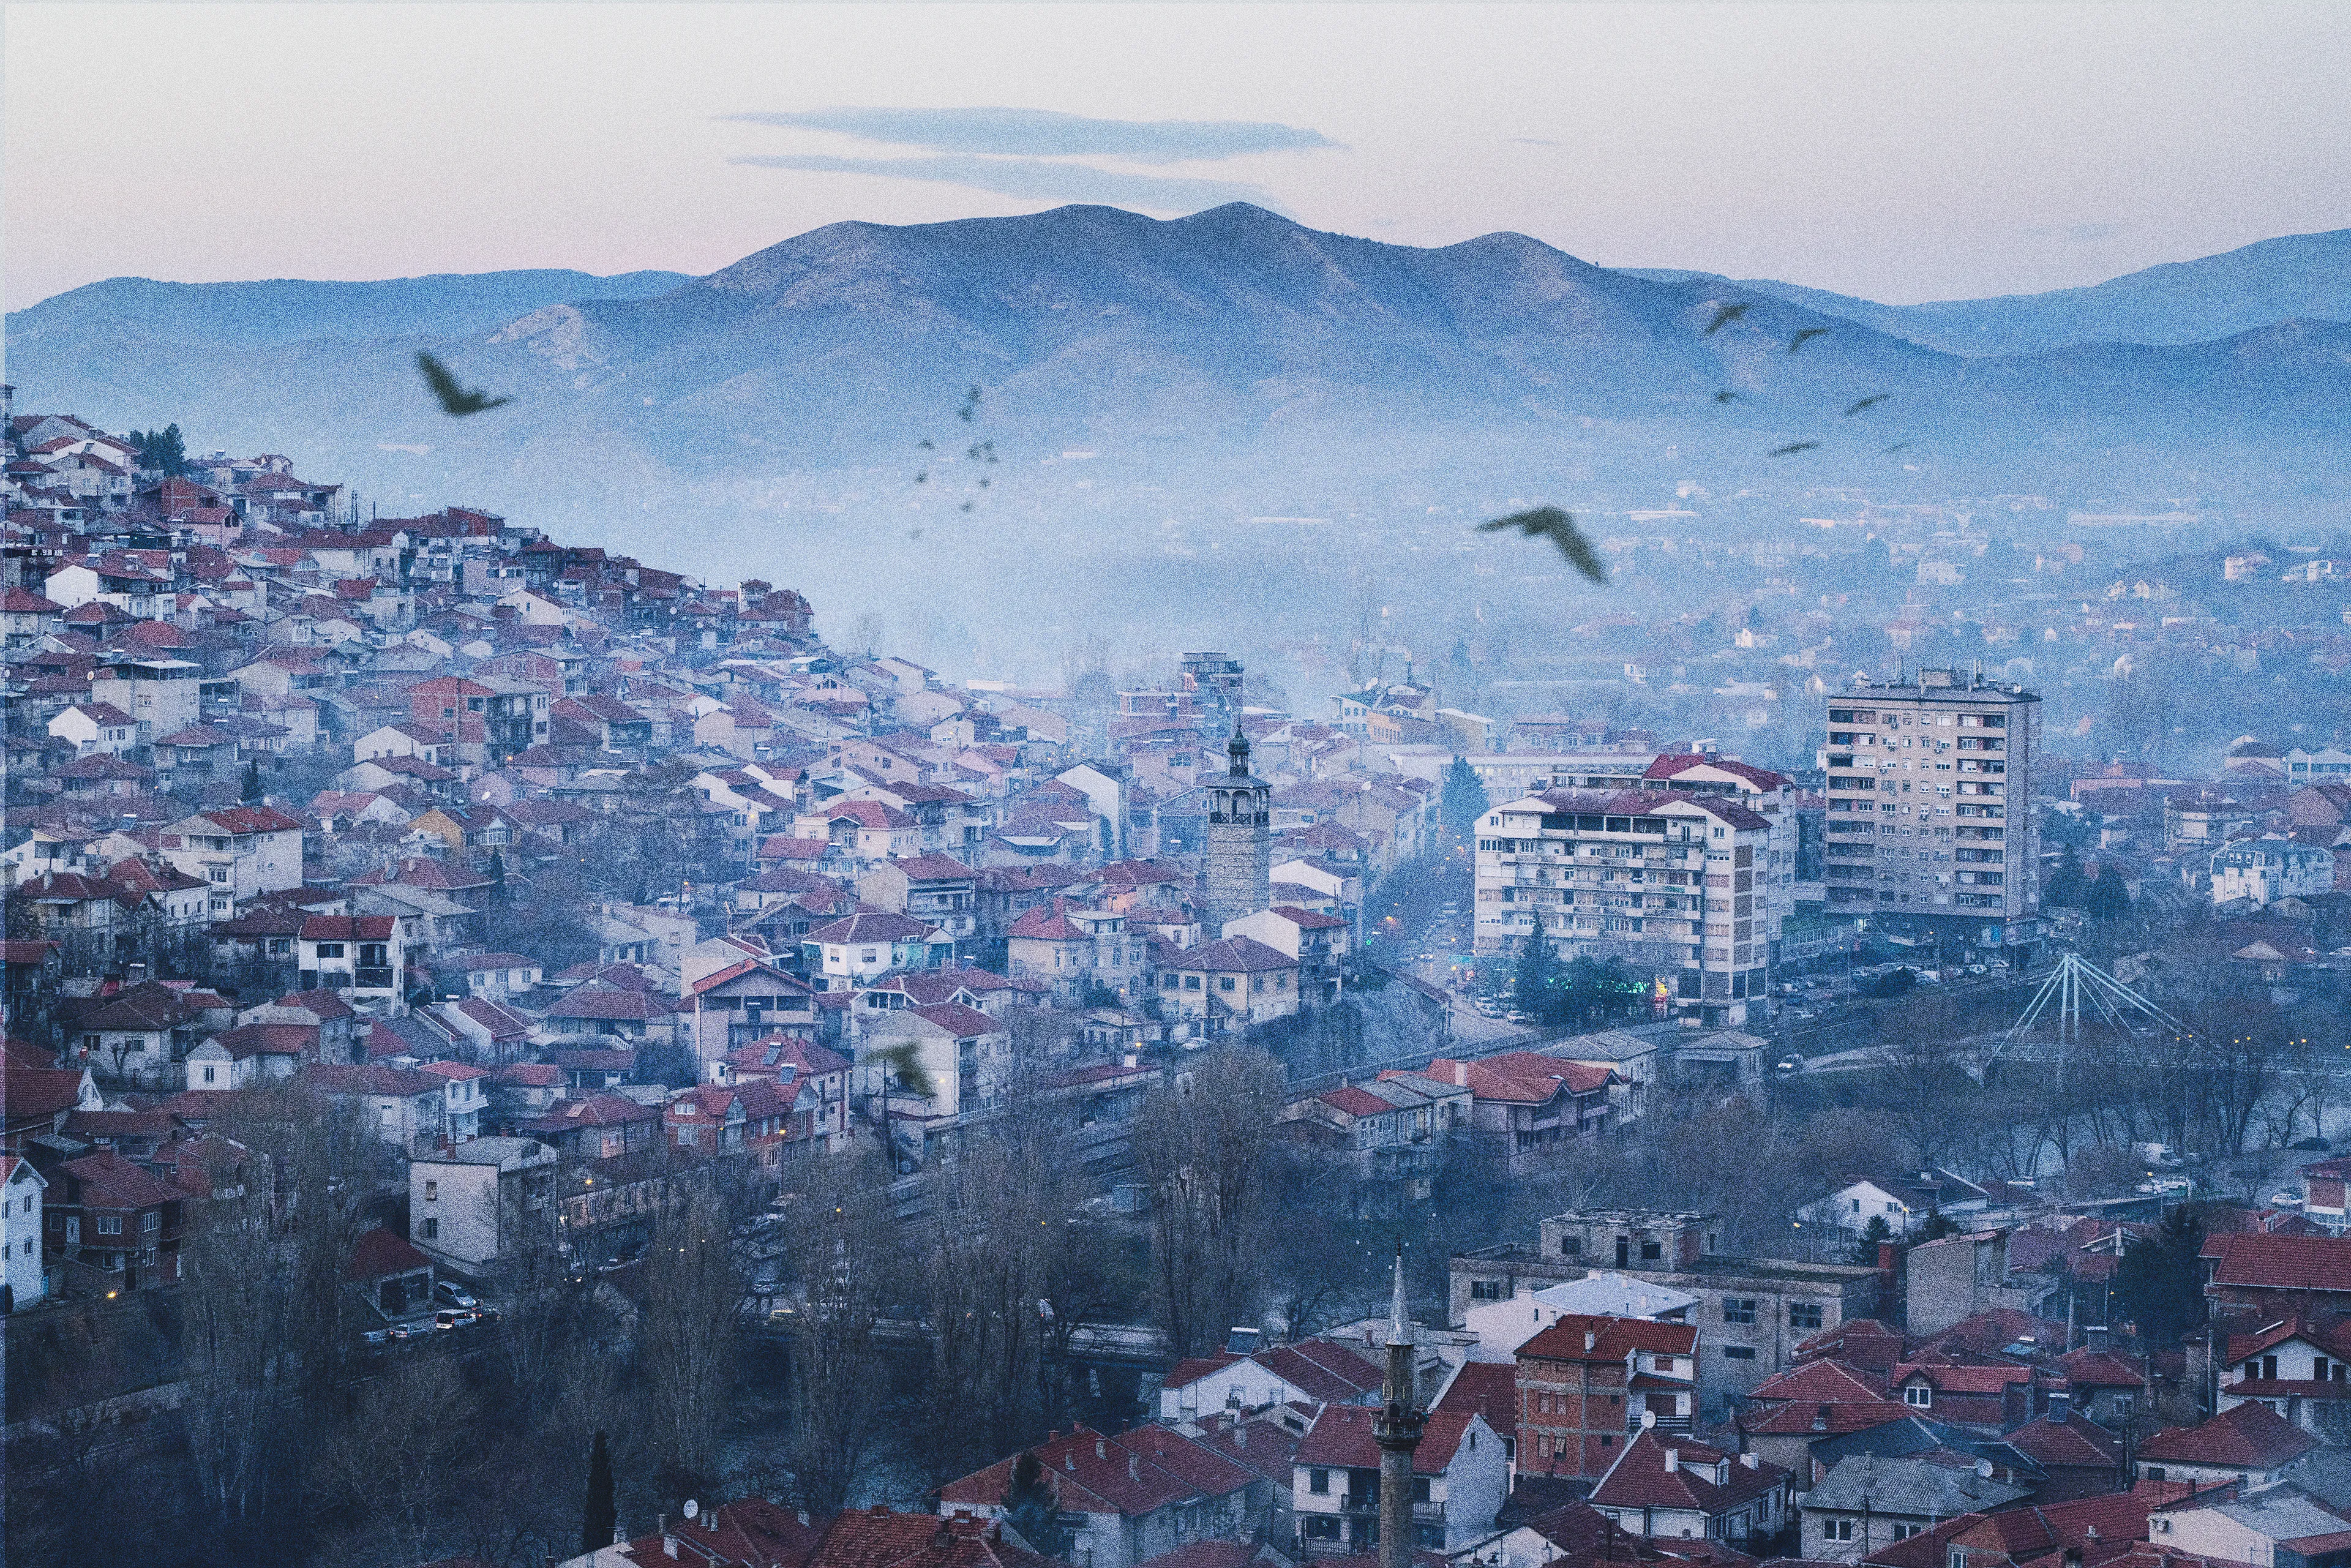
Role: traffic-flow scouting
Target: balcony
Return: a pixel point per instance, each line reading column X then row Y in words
column 371, row 979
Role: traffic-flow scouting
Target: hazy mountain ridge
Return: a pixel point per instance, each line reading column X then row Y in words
column 2292, row 278
column 1228, row 362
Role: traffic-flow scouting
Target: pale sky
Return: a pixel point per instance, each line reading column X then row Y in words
column 1901, row 151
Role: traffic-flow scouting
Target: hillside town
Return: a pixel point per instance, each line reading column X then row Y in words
column 499, row 931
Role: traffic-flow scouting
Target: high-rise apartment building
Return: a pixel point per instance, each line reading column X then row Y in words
column 1677, row 884
column 1930, row 831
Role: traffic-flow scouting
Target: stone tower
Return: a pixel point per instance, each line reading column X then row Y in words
column 1241, row 841
column 1397, row 1429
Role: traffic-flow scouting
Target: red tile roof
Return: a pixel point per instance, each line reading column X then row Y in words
column 1342, row 1436
column 2253, row 1261
column 1582, row 1337
column 2251, row 1436
column 1640, row 1476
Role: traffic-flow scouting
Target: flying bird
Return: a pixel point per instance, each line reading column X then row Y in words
column 455, row 400
column 1897, row 447
column 1726, row 397
column 1805, row 336
column 1725, row 317
column 970, row 409
column 1792, row 446
column 1872, row 401
column 1551, row 523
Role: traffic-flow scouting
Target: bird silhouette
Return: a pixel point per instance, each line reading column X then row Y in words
column 970, row 409
column 1805, row 336
column 455, row 400
column 1897, row 447
column 1725, row 317
column 1726, row 397
column 1551, row 523
column 1872, row 401
column 1792, row 446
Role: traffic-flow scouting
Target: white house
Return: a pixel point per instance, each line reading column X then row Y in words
column 1502, row 1326
column 465, row 1099
column 2269, row 867
column 20, row 1231
column 482, row 1202
column 1905, row 1202
column 1460, row 1474
column 243, row 851
column 96, row 729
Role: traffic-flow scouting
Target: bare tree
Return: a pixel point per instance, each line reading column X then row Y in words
column 1202, row 1142
column 685, row 1341
column 844, row 1263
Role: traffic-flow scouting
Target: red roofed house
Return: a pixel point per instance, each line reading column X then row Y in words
column 744, row 1003
column 755, row 1533
column 1672, row 1487
column 2261, row 1279
column 2301, row 1371
column 1140, row 1494
column 1526, row 1105
column 964, row 1053
column 816, row 1077
column 2324, row 1186
column 750, row 1118
column 360, row 956
column 1393, row 1127
column 1215, row 989
column 1585, row 1384
column 112, row 1224
column 393, row 1276
column 2247, row 1442
column 858, row 949
column 1460, row 1474
column 1311, row 1372
column 1995, row 1397
column 243, row 851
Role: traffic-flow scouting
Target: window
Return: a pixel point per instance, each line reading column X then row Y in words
column 2154, row 1472
column 109, row 1224
column 1739, row 1309
column 1651, row 1251
column 430, row 1230
column 1420, row 1489
column 1803, row 1314
column 1485, row 1290
column 1836, row 1530
column 1918, row 1395
column 1739, row 1353
column 1224, row 982
column 1318, row 1481
column 1570, row 1246
column 73, row 1238
column 432, row 1191
column 208, row 1074
column 1191, row 982
column 330, row 949
column 1321, row 1528
column 1904, row 1532
column 152, row 1221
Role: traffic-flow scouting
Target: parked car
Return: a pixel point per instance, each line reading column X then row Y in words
column 454, row 1318
column 376, row 1336
column 449, row 1293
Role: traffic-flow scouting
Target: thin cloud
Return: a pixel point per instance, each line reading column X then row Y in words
column 1044, row 133
column 1031, row 179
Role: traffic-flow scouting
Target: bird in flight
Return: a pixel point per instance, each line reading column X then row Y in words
column 970, row 409
column 1793, row 447
column 1897, row 447
column 455, row 400
column 1551, row 523
column 1725, row 317
column 1805, row 336
column 1872, row 401
column 1726, row 396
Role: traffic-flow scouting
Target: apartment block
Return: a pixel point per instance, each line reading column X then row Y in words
column 1931, row 829
column 1675, row 884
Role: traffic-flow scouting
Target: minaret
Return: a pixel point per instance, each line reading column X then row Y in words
column 1241, row 841
column 1397, row 1429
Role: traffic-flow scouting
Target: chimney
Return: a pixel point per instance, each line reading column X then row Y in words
column 1134, row 1467
column 1101, row 1450
column 1460, row 1074
column 1673, row 1463
column 2060, row 1406
column 1752, row 1459
column 1591, row 1339
column 1821, row 1419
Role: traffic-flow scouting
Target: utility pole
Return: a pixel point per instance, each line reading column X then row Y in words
column 1397, row 1429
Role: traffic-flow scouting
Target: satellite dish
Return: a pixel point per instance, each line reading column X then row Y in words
column 692, row 1508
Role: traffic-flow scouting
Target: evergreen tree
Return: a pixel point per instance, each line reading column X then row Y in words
column 1463, row 800
column 163, row 450
column 1033, row 1510
column 2159, row 1283
column 1538, row 973
column 248, row 790
column 1865, row 1252
column 2065, row 883
column 2106, row 899
column 496, row 871
column 601, row 1514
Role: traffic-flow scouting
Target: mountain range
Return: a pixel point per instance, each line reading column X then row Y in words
column 1139, row 376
